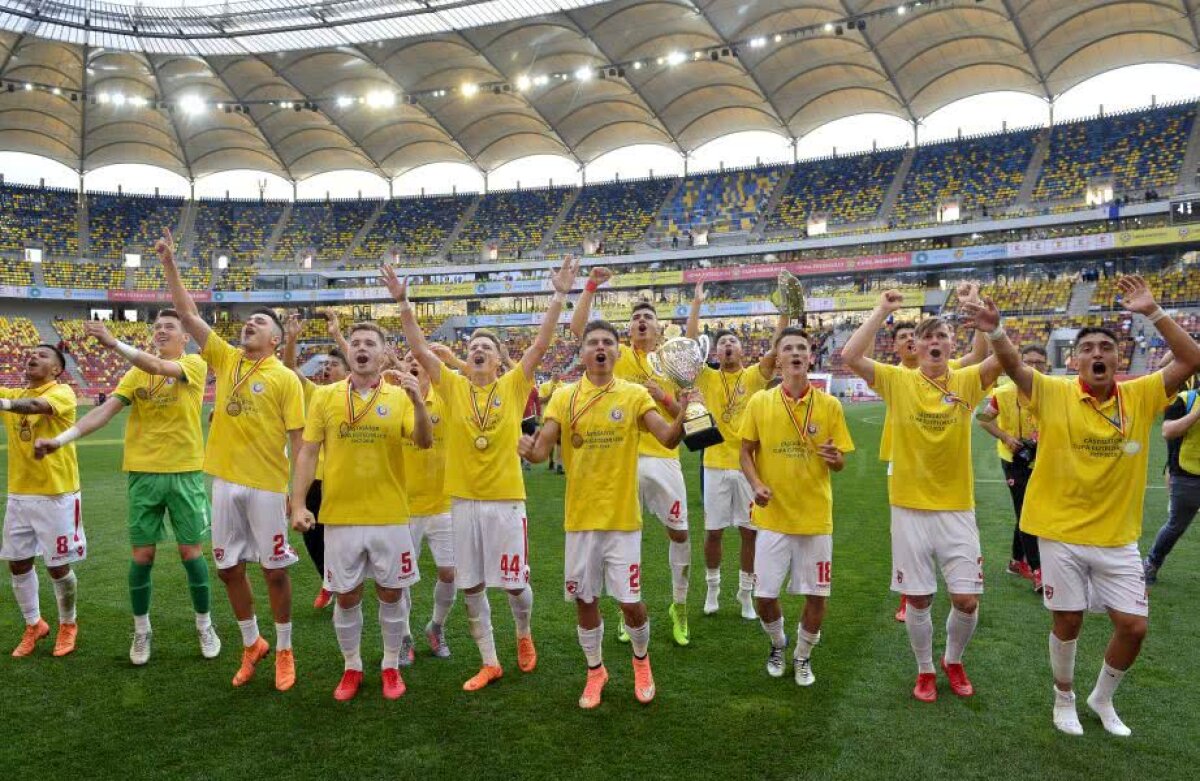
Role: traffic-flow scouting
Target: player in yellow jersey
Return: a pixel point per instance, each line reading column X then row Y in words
column 931, row 487
column 1084, row 502
column 599, row 422
column 1008, row 418
column 486, row 487
column 727, row 494
column 545, row 391
column 43, row 516
column 425, row 471
column 362, row 423
column 334, row 369
column 660, row 478
column 792, row 437
column 257, row 420
column 164, row 456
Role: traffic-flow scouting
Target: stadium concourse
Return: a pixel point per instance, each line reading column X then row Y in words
column 492, row 375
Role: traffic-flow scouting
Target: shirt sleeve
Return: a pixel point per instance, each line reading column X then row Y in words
column 292, row 403
column 448, row 381
column 518, row 386
column 839, row 432
column 217, row 352
column 1044, row 389
column 642, row 405
column 128, row 386
column 970, row 385
column 314, row 424
column 62, row 400
column 885, row 379
column 195, row 370
column 755, row 381
column 556, row 408
column 1154, row 391
column 749, row 432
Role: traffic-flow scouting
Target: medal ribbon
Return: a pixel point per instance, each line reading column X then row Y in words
column 646, row 369
column 945, row 391
column 481, row 420
column 353, row 417
column 789, row 408
column 575, row 416
column 240, row 379
column 731, row 395
column 161, row 381
column 1120, row 423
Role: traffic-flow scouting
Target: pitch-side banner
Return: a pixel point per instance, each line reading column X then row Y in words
column 814, row 266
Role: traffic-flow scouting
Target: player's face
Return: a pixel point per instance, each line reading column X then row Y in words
column 934, row 345
column 169, row 336
column 643, row 325
column 334, row 370
column 793, row 356
column 906, row 343
column 729, row 349
column 1037, row 362
column 482, row 354
column 413, row 366
column 1097, row 359
column 367, row 352
column 41, row 365
column 259, row 332
column 599, row 352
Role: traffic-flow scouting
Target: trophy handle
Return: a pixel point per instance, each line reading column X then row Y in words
column 705, row 343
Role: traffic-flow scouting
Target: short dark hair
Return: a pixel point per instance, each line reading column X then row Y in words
column 168, row 313
column 264, row 310
column 374, row 328
column 723, row 332
column 487, row 334
column 599, row 325
column 902, row 325
column 1096, row 329
column 930, row 323
column 1034, row 348
column 62, row 360
column 335, row 354
column 640, row 305
column 792, row 330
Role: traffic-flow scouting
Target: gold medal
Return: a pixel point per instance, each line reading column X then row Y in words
column 344, row 429
column 576, row 437
column 576, row 440
column 142, row 393
column 233, row 408
column 727, row 416
column 26, row 434
column 481, row 442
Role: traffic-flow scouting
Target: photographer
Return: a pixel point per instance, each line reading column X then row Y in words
column 1007, row 418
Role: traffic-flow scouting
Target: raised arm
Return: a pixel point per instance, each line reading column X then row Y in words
column 669, row 434
column 583, row 305
column 854, row 353
column 333, row 327
column 422, row 435
column 693, row 321
column 1136, row 297
column 408, row 321
column 34, row 406
column 97, row 419
column 291, row 334
column 766, row 364
column 562, row 280
column 151, row 364
column 984, row 316
column 184, row 305
column 1174, row 429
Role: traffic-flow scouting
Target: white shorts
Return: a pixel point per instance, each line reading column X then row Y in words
column 438, row 531
column 249, row 524
column 46, row 526
column 806, row 558
column 491, row 545
column 1089, row 577
column 925, row 539
column 662, row 490
column 385, row 554
column 727, row 499
column 599, row 561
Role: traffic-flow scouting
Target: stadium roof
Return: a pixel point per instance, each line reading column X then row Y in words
column 299, row 89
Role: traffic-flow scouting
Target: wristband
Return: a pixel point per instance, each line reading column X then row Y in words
column 559, row 297
column 405, row 306
column 996, row 335
column 127, row 351
column 67, row 437
column 1156, row 315
column 591, row 286
column 5, row 404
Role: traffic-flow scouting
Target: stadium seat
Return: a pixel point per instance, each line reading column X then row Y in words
column 129, row 223
column 39, row 217
column 516, row 219
column 413, row 227
column 619, row 213
column 325, row 228
column 238, row 228
column 847, row 189
column 723, row 203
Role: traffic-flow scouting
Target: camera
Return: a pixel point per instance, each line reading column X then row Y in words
column 1027, row 452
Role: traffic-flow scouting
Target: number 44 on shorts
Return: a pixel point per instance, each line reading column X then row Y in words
column 510, row 566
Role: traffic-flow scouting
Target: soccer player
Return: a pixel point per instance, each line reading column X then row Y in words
column 425, row 472
column 361, row 424
column 1183, row 464
column 1008, row 418
column 164, row 457
column 545, row 391
column 1084, row 501
column 42, row 517
column 931, row 487
column 598, row 421
column 792, row 437
column 335, row 369
column 727, row 493
column 660, row 478
column 258, row 418
column 486, row 487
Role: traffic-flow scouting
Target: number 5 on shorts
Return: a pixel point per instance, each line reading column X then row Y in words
column 406, row 563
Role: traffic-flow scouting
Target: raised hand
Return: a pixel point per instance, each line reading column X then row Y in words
column 1136, row 295
column 98, row 331
column 165, row 248
column 599, row 275
column 292, row 326
column 698, row 292
column 410, row 385
column 967, row 291
column 394, row 376
column 656, row 391
column 333, row 325
column 564, row 279
column 982, row 315
column 891, row 300
column 396, row 286
column 444, row 353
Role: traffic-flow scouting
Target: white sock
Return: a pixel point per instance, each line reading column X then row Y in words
column 249, row 629
column 25, row 588
column 522, row 610
column 64, row 593
column 203, row 621
column 141, row 624
column 479, row 617
column 712, row 577
column 805, row 640
column 774, row 631
column 443, row 600
column 1106, row 684
column 679, row 554
column 591, row 641
column 639, row 638
column 283, row 636
column 1062, row 660
column 959, row 628
column 393, row 623
column 746, row 581
column 347, row 625
column 1066, row 718
column 920, row 636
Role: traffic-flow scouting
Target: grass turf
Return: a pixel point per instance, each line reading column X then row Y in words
column 717, row 713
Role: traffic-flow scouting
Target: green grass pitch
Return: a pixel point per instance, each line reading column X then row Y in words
column 717, row 714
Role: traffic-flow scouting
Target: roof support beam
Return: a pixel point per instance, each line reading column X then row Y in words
column 1015, row 20
column 887, row 70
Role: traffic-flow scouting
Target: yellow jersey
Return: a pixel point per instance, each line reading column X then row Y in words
column 600, row 451
column 363, row 438
column 1013, row 417
column 1089, row 480
column 57, row 473
column 633, row 365
column 163, row 434
column 788, row 432
column 247, row 442
column 725, row 395
column 547, row 388
column 425, row 469
column 885, row 438
column 483, row 426
column 308, row 388
column 931, row 423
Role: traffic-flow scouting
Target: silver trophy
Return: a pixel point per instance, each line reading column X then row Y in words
column 681, row 359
